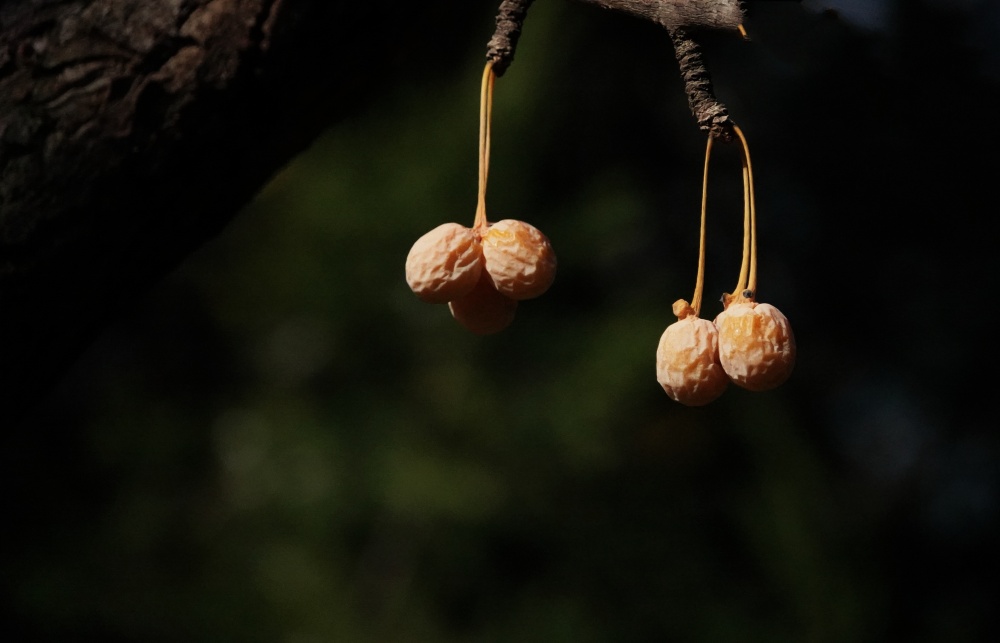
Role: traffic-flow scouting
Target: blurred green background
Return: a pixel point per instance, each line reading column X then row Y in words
column 281, row 443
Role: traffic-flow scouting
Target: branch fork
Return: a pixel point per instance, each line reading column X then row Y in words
column 678, row 17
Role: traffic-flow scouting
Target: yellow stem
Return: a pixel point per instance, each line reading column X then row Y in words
column 485, row 117
column 700, row 279
column 752, row 205
column 741, row 283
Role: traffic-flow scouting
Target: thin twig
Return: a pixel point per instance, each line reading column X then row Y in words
column 510, row 19
column 676, row 16
column 708, row 110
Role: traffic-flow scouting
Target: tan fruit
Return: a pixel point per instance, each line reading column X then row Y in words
column 484, row 311
column 756, row 345
column 445, row 263
column 519, row 259
column 687, row 359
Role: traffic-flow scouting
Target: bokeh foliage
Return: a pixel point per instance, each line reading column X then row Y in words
column 282, row 444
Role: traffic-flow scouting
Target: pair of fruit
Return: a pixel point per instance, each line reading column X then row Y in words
column 483, row 271
column 750, row 344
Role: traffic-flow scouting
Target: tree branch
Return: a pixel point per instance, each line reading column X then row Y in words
column 676, row 16
column 711, row 115
column 132, row 131
column 510, row 20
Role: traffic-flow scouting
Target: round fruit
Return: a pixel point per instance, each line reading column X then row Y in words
column 445, row 263
column 519, row 259
column 484, row 311
column 687, row 359
column 756, row 345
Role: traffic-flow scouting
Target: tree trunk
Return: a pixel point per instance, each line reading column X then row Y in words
column 132, row 131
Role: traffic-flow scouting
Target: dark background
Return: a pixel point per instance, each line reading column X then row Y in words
column 281, row 443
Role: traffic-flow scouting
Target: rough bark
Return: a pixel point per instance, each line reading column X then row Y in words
column 714, row 14
column 711, row 115
column 132, row 131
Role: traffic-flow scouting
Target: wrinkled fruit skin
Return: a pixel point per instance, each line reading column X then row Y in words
column 519, row 259
column 445, row 264
column 756, row 345
column 687, row 362
column 484, row 311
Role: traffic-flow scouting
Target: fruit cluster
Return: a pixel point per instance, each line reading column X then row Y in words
column 483, row 271
column 750, row 344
